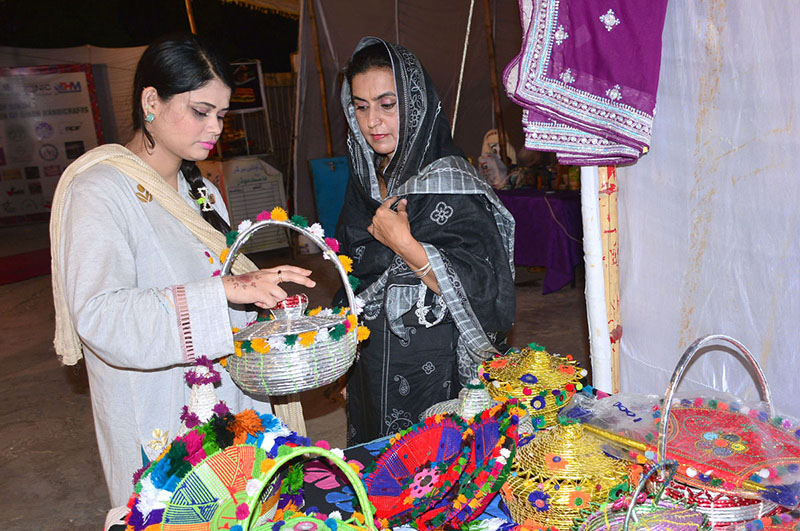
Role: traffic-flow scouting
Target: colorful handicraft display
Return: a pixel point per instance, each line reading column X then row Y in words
column 559, row 475
column 541, row 381
column 201, row 479
column 295, row 350
column 431, row 476
column 492, row 437
column 723, row 445
column 417, row 469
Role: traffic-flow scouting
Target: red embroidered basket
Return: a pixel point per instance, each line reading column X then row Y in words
column 708, row 435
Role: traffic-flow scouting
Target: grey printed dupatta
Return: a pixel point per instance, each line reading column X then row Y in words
column 476, row 280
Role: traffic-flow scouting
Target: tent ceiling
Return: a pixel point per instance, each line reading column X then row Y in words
column 290, row 8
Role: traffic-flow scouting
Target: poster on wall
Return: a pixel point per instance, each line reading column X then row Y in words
column 48, row 118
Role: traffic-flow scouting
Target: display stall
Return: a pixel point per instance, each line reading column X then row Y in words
column 530, row 446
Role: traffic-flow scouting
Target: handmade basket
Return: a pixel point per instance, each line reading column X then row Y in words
column 201, row 478
column 543, row 382
column 417, row 469
column 471, row 401
column 657, row 515
column 249, row 515
column 709, row 434
column 492, row 439
column 293, row 352
column 559, row 474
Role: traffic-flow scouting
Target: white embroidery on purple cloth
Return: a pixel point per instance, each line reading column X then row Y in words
column 561, row 34
column 566, row 76
column 609, row 19
column 614, row 93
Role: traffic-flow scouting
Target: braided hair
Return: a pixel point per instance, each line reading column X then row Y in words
column 173, row 65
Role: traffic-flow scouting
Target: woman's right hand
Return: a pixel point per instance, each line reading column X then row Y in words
column 262, row 287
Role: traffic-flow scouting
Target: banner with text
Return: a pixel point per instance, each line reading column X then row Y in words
column 48, row 118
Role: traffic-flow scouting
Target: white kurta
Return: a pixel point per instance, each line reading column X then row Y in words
column 125, row 259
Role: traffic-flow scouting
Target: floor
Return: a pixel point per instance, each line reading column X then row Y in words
column 50, row 473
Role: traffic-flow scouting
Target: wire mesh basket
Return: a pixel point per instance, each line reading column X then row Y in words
column 559, row 474
column 722, row 503
column 543, row 382
column 294, row 351
column 638, row 513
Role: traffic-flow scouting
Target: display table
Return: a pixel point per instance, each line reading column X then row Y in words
column 548, row 232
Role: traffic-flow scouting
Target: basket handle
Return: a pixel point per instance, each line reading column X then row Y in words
column 672, row 466
column 688, row 355
column 355, row 482
column 327, row 252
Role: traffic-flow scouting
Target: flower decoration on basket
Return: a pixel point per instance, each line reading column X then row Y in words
column 562, row 475
column 204, row 473
column 543, row 382
column 295, row 350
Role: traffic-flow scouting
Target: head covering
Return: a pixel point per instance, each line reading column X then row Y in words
column 425, row 163
column 424, row 134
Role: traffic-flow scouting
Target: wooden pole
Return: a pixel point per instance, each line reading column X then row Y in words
column 190, row 14
column 321, row 74
column 498, row 112
column 608, row 229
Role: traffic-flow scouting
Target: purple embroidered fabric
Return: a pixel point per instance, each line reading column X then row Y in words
column 587, row 76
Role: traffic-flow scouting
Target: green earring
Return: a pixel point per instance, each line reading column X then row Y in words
column 150, row 117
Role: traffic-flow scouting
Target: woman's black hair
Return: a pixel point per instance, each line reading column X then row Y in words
column 172, row 65
column 372, row 56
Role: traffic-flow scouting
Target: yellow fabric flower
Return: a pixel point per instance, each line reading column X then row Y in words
column 353, row 320
column 347, row 262
column 307, row 338
column 260, row 345
column 237, row 348
column 223, row 255
column 267, row 465
column 315, row 311
column 223, row 361
column 234, row 329
column 363, row 333
column 278, row 214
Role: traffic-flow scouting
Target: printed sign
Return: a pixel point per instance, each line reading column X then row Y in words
column 48, row 118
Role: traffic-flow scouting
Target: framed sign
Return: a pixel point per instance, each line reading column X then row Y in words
column 48, row 118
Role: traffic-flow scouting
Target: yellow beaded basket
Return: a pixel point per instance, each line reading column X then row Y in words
column 543, row 382
column 559, row 475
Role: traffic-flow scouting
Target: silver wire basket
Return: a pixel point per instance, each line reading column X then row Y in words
column 295, row 366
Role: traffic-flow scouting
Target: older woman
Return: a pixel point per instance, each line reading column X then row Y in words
column 432, row 246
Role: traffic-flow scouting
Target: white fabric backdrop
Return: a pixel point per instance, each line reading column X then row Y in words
column 709, row 220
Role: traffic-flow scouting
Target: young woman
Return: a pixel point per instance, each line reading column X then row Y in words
column 136, row 237
column 431, row 244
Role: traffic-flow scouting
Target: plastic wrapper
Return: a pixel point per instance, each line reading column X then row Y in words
column 720, row 442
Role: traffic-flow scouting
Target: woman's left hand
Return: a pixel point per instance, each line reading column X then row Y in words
column 390, row 227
